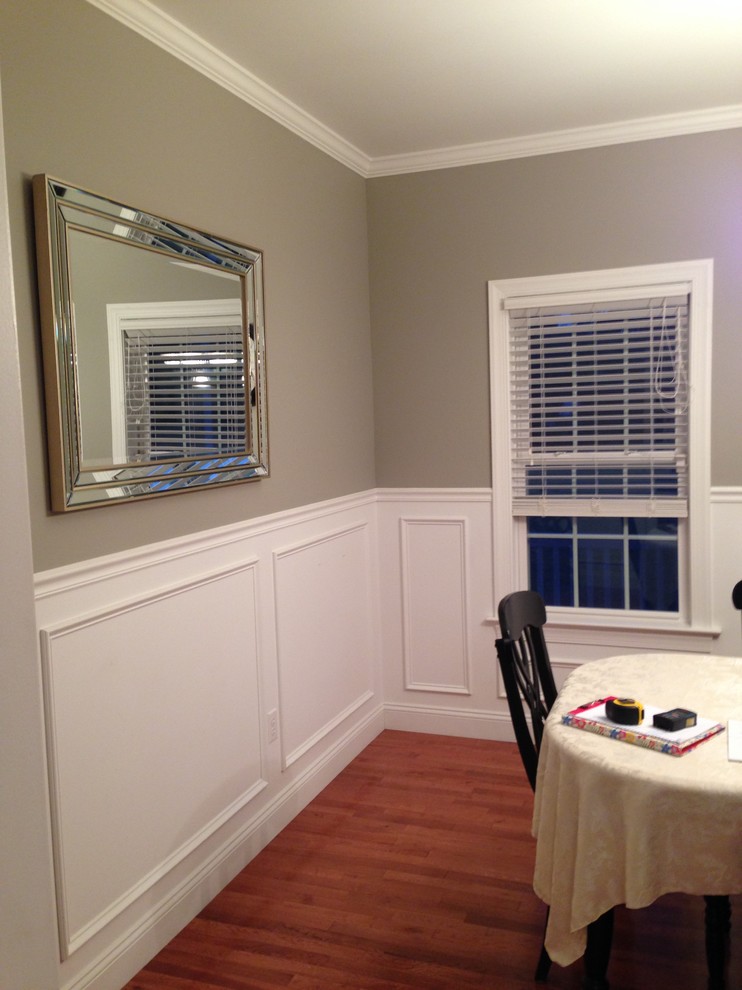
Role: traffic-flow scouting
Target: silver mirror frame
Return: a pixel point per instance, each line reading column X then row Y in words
column 60, row 208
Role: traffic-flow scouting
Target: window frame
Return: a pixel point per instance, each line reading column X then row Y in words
column 510, row 557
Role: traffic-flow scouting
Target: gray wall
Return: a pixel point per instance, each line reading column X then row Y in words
column 404, row 404
column 28, row 945
column 437, row 237
column 89, row 101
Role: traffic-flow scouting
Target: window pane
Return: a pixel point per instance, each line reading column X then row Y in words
column 600, row 571
column 550, row 524
column 588, row 524
column 654, row 570
column 653, row 527
column 550, row 570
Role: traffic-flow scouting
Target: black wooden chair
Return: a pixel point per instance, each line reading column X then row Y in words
column 526, row 672
column 529, row 684
column 531, row 692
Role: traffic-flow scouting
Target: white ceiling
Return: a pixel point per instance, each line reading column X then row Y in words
column 399, row 85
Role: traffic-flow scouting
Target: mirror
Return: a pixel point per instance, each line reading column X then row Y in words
column 154, row 352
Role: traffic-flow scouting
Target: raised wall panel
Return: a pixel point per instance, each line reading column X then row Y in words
column 434, row 605
column 325, row 635
column 153, row 722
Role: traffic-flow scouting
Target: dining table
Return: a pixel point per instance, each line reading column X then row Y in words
column 622, row 824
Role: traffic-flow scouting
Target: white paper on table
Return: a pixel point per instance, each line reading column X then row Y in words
column 734, row 736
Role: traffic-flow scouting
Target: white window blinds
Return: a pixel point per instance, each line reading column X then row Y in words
column 599, row 407
column 185, row 394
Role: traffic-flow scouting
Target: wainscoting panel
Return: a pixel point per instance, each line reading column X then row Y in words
column 149, row 703
column 162, row 688
column 439, row 661
column 324, row 614
column 434, row 604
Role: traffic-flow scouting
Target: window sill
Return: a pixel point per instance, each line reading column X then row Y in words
column 630, row 633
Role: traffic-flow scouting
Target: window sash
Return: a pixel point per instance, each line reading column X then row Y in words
column 607, row 563
column 599, row 407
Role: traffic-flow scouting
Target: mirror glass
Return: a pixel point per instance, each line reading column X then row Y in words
column 154, row 352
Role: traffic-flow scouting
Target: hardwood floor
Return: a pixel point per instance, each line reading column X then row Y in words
column 412, row 871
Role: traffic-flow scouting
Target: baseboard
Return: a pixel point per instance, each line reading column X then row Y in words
column 449, row 722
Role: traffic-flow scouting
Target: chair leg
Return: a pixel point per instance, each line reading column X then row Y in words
column 718, row 923
column 544, row 965
column 598, row 952
column 544, row 960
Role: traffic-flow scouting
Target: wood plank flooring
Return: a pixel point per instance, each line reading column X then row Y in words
column 412, row 871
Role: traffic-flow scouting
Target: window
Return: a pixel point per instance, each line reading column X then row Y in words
column 185, row 393
column 599, row 423
column 177, row 373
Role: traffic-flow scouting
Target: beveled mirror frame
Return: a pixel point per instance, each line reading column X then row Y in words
column 61, row 209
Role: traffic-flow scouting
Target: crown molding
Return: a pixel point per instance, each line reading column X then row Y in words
column 645, row 129
column 158, row 27
column 150, row 22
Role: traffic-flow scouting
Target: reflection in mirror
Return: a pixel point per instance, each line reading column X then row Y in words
column 154, row 352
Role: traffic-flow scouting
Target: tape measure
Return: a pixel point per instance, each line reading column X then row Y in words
column 625, row 711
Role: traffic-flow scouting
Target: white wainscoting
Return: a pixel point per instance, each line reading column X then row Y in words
column 168, row 671
column 435, row 559
column 153, row 722
column 165, row 670
column 326, row 635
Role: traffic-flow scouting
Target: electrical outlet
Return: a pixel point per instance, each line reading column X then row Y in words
column 272, row 725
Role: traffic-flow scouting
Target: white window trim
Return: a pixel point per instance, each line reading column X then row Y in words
column 159, row 318
column 510, row 570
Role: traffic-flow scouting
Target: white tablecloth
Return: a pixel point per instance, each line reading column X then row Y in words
column 619, row 824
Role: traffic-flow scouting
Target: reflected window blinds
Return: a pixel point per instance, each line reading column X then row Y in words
column 184, row 394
